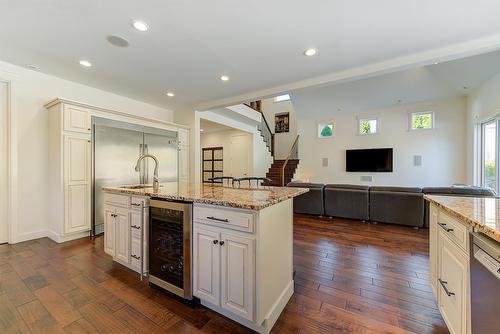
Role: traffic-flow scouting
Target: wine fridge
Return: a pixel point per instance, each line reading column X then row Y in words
column 170, row 246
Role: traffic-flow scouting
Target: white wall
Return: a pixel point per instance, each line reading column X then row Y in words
column 223, row 139
column 442, row 149
column 3, row 161
column 282, row 141
column 482, row 103
column 30, row 91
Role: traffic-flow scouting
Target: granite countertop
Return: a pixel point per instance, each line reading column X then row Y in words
column 247, row 198
column 483, row 213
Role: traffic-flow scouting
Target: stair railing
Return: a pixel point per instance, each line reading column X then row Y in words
column 268, row 136
column 292, row 154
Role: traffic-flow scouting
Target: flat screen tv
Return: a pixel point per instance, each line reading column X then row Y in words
column 369, row 160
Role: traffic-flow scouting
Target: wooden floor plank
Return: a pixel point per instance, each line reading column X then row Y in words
column 351, row 277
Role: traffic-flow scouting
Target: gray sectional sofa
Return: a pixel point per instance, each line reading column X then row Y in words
column 392, row 205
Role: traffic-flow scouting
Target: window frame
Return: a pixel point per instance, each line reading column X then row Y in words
column 481, row 141
column 410, row 120
column 364, row 119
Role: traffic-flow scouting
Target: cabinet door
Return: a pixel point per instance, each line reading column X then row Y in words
column 77, row 161
column 206, row 265
column 237, row 275
column 452, row 290
column 433, row 249
column 109, row 230
column 122, row 235
column 77, row 119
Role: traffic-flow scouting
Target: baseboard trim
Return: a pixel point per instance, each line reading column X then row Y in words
column 63, row 238
column 271, row 317
column 29, row 236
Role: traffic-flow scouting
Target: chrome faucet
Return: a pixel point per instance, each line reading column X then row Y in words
column 155, row 175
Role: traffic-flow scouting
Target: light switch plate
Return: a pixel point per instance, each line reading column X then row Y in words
column 417, row 160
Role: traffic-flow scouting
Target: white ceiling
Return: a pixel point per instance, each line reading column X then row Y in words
column 447, row 79
column 258, row 43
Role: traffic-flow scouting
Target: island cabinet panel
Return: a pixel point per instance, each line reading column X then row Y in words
column 449, row 268
column 433, row 249
column 123, row 230
column 453, row 278
column 242, row 261
column 109, row 230
column 122, row 235
column 206, row 261
column 237, row 269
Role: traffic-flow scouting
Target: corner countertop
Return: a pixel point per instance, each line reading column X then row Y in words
column 483, row 213
column 247, row 198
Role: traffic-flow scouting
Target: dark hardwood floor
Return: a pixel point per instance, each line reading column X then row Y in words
column 351, row 277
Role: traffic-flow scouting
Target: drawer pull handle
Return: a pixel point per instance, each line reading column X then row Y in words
column 447, row 229
column 443, row 284
column 216, row 242
column 136, row 227
column 219, row 219
column 135, row 257
column 135, row 204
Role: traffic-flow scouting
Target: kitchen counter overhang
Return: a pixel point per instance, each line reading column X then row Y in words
column 246, row 198
column 482, row 213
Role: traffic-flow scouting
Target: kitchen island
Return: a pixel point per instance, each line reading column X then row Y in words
column 239, row 255
column 456, row 224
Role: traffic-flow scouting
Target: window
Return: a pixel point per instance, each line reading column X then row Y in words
column 282, row 98
column 212, row 163
column 489, row 164
column 325, row 130
column 368, row 126
column 422, row 120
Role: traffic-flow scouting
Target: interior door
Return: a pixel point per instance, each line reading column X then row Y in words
column 240, row 146
column 164, row 148
column 3, row 162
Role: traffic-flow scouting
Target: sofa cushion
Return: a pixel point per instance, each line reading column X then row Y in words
column 347, row 201
column 397, row 205
column 312, row 202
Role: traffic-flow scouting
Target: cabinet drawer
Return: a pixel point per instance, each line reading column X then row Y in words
column 77, row 119
column 136, row 202
column 115, row 199
column 226, row 218
column 135, row 253
column 454, row 229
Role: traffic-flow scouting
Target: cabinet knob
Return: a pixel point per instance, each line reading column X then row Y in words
column 222, row 243
column 216, row 242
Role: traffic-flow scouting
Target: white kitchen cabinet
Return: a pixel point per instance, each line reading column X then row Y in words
column 77, row 119
column 237, row 274
column 243, row 263
column 77, row 183
column 449, row 272
column 122, row 235
column 123, row 229
column 206, row 260
column 109, row 230
column 453, row 280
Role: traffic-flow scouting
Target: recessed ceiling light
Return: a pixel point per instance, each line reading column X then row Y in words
column 310, row 52
column 140, row 25
column 85, row 63
column 224, row 78
column 170, row 94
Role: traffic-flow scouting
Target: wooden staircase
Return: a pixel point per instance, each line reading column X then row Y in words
column 274, row 173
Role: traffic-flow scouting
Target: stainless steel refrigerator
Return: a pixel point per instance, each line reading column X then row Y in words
column 116, row 148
